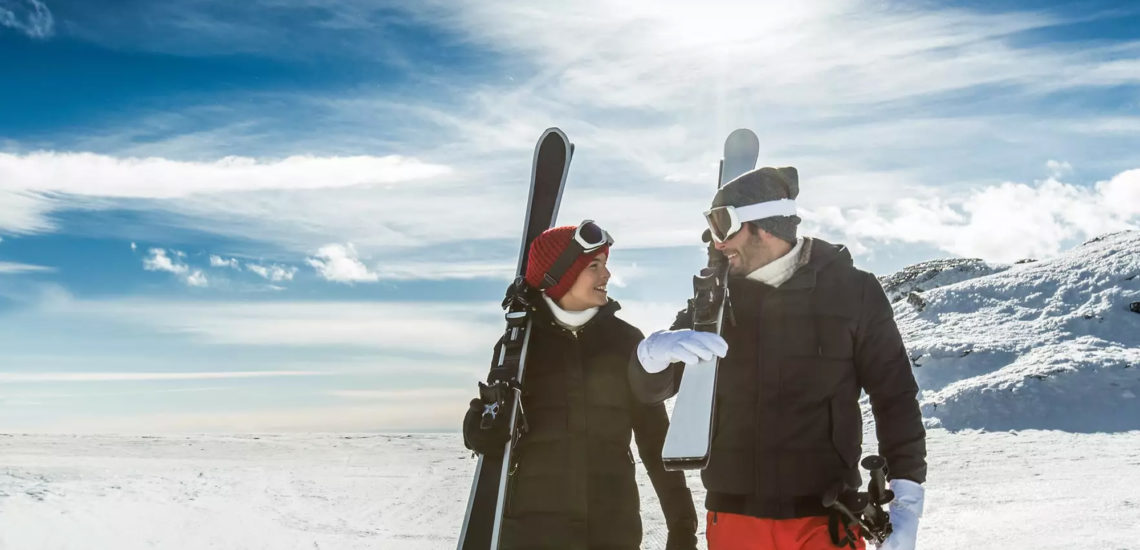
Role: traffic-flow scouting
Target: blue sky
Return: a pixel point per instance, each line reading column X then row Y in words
column 300, row 215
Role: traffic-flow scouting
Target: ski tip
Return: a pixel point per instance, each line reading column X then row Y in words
column 743, row 134
column 551, row 137
column 554, row 130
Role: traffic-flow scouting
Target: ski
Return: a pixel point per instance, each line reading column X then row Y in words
column 689, row 438
column 503, row 390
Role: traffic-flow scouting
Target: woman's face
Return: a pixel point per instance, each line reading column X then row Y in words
column 589, row 289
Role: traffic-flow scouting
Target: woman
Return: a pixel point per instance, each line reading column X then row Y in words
column 573, row 485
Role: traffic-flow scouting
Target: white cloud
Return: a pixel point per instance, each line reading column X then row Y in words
column 1058, row 169
column 340, row 263
column 16, row 377
column 1121, row 195
column 14, row 267
column 218, row 261
column 197, row 278
column 24, row 212
column 407, row 394
column 89, row 174
column 275, row 273
column 1004, row 222
column 80, row 179
column 460, row 330
column 159, row 261
column 666, row 54
column 134, row 246
column 854, row 93
column 30, row 17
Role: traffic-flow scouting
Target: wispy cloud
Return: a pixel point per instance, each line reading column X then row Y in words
column 77, row 179
column 872, row 102
column 275, row 273
column 452, row 330
column 30, row 17
column 9, row 377
column 341, row 264
column 16, row 268
column 89, row 174
column 218, row 261
column 414, row 394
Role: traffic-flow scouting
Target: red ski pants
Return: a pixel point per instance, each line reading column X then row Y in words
column 737, row 532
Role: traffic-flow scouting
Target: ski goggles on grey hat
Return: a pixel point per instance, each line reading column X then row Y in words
column 725, row 221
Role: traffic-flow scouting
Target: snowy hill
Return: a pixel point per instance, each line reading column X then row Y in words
column 935, row 273
column 1050, row 344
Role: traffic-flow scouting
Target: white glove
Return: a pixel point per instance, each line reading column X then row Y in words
column 670, row 346
column 906, row 508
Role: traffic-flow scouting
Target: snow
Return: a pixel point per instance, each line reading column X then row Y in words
column 1049, row 344
column 935, row 273
column 1028, row 489
column 1030, row 377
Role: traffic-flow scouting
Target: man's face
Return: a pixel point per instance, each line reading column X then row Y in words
column 747, row 251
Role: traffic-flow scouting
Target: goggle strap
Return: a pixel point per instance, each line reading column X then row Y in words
column 563, row 263
column 761, row 210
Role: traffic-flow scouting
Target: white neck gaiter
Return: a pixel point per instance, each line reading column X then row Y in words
column 781, row 269
column 572, row 320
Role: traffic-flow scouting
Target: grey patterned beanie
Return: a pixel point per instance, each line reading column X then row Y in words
column 762, row 185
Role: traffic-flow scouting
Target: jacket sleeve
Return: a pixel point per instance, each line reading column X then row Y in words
column 654, row 388
column 649, row 426
column 884, row 372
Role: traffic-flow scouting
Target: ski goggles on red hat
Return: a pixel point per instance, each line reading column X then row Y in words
column 588, row 237
column 725, row 221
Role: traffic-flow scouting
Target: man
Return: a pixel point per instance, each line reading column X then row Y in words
column 808, row 332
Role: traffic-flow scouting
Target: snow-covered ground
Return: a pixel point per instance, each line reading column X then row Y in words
column 1007, row 357
column 1003, row 490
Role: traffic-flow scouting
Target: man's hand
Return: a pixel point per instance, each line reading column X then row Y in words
column 687, row 346
column 906, row 508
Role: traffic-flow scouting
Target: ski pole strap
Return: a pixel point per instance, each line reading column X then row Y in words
column 835, row 520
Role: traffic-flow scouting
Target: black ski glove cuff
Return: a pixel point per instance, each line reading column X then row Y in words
column 486, row 442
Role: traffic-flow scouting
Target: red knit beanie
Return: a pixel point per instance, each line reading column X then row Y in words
column 544, row 251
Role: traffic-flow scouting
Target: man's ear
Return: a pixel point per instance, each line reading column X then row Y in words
column 766, row 237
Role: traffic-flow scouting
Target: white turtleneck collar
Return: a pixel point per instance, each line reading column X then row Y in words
column 571, row 320
column 778, row 271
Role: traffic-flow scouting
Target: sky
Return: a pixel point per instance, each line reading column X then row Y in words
column 292, row 215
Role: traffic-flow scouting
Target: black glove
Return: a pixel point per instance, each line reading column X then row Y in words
column 489, row 441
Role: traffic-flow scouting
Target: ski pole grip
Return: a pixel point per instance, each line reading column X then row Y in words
column 876, row 466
